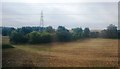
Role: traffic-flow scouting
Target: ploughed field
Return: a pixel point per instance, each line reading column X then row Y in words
column 95, row 52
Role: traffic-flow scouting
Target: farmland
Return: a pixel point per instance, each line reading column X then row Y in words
column 95, row 52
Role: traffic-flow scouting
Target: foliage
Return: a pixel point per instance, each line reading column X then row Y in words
column 6, row 31
column 6, row 46
column 110, row 32
column 24, row 30
column 118, row 34
column 94, row 34
column 49, row 29
column 77, row 33
column 48, row 34
column 17, row 38
column 86, row 33
column 39, row 37
column 63, row 34
column 103, row 33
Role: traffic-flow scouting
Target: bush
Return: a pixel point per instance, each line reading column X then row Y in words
column 17, row 38
column 63, row 34
column 118, row 34
column 6, row 31
column 110, row 32
column 94, row 34
column 5, row 46
column 77, row 33
column 86, row 33
column 49, row 29
column 46, row 37
column 39, row 37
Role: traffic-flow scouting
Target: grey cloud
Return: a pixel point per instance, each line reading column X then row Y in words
column 93, row 15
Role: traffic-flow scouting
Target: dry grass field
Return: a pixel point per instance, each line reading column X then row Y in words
column 85, row 53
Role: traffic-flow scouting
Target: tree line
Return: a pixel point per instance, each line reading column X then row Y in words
column 61, row 34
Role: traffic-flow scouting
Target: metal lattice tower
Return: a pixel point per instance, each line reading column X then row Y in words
column 41, row 21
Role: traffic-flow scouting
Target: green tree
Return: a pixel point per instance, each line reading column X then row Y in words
column 112, row 31
column 34, row 37
column 86, row 32
column 6, row 31
column 49, row 29
column 17, row 38
column 118, row 34
column 103, row 34
column 24, row 30
column 46, row 37
column 94, row 34
column 39, row 37
column 77, row 33
column 63, row 34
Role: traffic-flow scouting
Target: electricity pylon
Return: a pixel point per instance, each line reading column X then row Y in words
column 41, row 22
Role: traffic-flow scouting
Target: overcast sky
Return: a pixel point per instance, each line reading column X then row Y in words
column 95, row 15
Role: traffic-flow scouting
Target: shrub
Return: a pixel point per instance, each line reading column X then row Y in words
column 77, row 33
column 94, row 34
column 5, row 46
column 39, row 37
column 86, row 33
column 6, row 31
column 17, row 38
column 63, row 34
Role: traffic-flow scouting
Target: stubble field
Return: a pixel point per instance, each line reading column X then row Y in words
column 95, row 52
